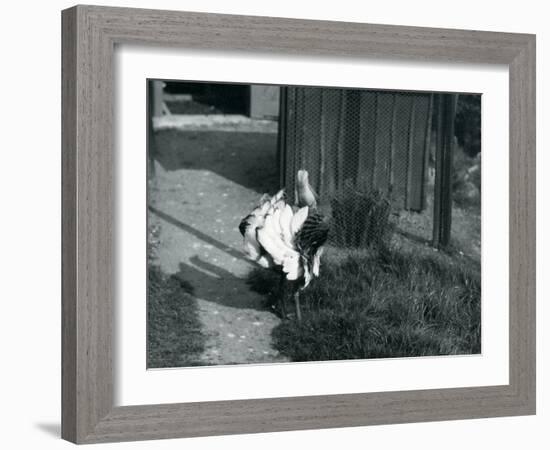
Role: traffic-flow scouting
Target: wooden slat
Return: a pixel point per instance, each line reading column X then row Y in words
column 290, row 140
column 322, row 145
column 282, row 135
column 311, row 132
column 341, row 146
column 367, row 140
column 384, row 109
column 403, row 108
column 393, row 132
column 417, row 153
column 331, row 109
column 300, row 118
column 410, row 153
column 351, row 137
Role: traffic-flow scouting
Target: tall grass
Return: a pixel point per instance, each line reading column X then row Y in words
column 174, row 331
column 385, row 304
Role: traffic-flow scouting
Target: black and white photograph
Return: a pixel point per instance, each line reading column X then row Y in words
column 302, row 223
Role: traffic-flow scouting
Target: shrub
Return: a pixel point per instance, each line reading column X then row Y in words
column 468, row 123
column 361, row 220
column 466, row 180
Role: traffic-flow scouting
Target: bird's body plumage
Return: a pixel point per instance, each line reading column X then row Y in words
column 279, row 235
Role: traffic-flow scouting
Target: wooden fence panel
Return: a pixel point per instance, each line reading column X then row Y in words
column 360, row 139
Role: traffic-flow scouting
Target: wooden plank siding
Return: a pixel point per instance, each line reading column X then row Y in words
column 403, row 123
column 360, row 139
column 365, row 167
column 419, row 140
column 332, row 104
column 290, row 137
column 383, row 140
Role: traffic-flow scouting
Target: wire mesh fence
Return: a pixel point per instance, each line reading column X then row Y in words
column 368, row 154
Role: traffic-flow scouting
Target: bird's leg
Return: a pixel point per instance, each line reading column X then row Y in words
column 282, row 295
column 297, row 305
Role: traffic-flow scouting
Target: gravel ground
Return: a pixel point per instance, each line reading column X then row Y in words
column 205, row 183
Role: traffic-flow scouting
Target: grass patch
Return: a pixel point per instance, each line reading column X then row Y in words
column 384, row 304
column 174, row 336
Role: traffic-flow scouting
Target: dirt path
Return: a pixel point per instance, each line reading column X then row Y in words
column 198, row 210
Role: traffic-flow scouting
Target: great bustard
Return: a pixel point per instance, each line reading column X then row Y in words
column 287, row 238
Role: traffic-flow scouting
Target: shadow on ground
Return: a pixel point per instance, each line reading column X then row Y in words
column 199, row 234
column 226, row 153
column 209, row 281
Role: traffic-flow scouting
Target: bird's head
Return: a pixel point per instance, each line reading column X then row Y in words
column 302, row 176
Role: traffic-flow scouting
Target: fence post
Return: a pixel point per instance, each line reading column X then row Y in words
column 443, row 201
column 154, row 109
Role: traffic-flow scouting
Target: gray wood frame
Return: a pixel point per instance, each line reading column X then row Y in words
column 89, row 36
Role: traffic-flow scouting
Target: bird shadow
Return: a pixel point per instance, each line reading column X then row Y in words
column 217, row 285
column 211, row 282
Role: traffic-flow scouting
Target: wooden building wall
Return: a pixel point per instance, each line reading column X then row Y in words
column 361, row 139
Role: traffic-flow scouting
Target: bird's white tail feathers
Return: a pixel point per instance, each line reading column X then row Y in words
column 316, row 266
column 255, row 220
column 269, row 238
column 275, row 232
column 285, row 220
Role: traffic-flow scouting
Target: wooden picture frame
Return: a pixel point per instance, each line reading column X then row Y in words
column 89, row 37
